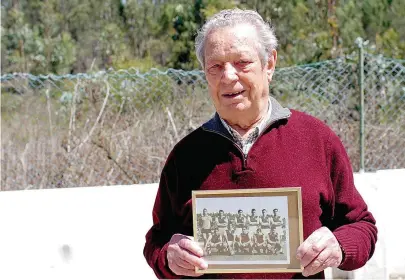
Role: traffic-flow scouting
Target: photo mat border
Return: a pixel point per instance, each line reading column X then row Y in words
column 294, row 198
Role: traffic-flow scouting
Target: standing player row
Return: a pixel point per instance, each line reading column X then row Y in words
column 230, row 221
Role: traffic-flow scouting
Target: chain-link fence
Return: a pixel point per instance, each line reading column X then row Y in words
column 117, row 127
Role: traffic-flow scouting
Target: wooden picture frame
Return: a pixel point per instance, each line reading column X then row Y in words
column 231, row 240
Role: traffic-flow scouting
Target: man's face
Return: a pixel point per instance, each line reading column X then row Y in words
column 264, row 212
column 221, row 214
column 238, row 82
column 240, row 213
column 245, row 230
column 205, row 212
column 253, row 212
column 275, row 211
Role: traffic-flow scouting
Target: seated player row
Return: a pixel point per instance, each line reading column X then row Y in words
column 243, row 243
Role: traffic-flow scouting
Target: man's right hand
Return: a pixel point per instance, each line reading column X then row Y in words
column 183, row 255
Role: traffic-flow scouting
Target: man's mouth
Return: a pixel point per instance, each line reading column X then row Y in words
column 233, row 94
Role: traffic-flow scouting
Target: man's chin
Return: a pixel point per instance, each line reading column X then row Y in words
column 236, row 107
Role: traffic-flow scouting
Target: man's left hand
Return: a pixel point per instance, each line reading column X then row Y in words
column 319, row 251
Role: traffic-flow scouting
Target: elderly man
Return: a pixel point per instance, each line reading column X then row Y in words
column 253, row 142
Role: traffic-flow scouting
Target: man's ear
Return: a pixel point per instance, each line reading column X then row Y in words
column 271, row 64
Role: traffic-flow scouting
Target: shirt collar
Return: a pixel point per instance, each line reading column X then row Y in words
column 277, row 112
column 258, row 128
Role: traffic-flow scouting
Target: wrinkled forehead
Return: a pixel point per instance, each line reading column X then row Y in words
column 240, row 39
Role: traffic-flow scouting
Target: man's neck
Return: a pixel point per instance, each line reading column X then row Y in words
column 244, row 130
column 245, row 125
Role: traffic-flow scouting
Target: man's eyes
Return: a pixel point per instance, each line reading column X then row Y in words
column 243, row 62
column 239, row 62
column 215, row 66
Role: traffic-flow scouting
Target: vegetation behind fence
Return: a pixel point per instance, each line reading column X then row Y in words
column 117, row 127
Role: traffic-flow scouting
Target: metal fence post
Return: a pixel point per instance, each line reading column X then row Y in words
column 360, row 42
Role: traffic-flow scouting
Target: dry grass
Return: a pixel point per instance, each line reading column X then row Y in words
column 94, row 141
column 88, row 132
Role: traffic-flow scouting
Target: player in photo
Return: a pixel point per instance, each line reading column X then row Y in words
column 259, row 241
column 264, row 221
column 240, row 222
column 215, row 243
column 205, row 225
column 253, row 222
column 273, row 242
column 231, row 236
column 222, row 223
column 243, row 242
column 276, row 222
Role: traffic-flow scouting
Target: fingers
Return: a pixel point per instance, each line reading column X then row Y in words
column 319, row 251
column 183, row 255
column 191, row 246
column 178, row 270
column 184, row 264
column 307, row 248
column 311, row 248
column 323, row 261
column 329, row 257
column 193, row 260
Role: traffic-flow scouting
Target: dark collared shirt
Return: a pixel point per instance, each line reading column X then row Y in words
column 247, row 143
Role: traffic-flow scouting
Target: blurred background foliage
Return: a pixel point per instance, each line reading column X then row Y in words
column 73, row 36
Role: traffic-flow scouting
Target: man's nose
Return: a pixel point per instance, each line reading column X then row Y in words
column 230, row 73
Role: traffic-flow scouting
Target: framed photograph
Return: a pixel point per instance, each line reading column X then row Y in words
column 249, row 230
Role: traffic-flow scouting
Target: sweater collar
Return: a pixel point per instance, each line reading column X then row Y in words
column 255, row 132
column 278, row 112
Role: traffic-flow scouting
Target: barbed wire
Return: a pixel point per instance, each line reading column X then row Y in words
column 118, row 126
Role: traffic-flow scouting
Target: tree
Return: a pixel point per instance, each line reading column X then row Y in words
column 70, row 36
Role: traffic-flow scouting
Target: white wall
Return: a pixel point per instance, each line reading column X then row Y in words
column 99, row 232
column 384, row 191
column 79, row 233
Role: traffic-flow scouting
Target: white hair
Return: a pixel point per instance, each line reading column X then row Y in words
column 229, row 18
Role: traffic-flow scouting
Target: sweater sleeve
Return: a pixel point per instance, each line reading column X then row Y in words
column 352, row 224
column 163, row 228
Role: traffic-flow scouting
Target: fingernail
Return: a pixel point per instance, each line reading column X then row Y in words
column 204, row 265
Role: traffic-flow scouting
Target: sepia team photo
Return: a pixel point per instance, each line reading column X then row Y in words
column 239, row 233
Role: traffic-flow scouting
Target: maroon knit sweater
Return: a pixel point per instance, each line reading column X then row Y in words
column 296, row 151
